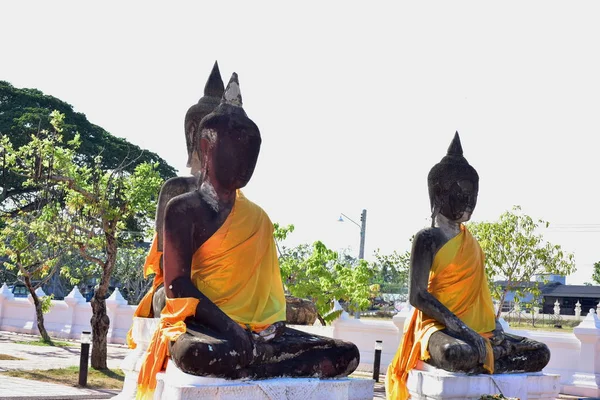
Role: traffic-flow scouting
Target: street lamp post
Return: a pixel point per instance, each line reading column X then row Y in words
column 363, row 230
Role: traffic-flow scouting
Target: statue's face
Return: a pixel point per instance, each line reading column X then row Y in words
column 234, row 158
column 459, row 200
column 237, row 154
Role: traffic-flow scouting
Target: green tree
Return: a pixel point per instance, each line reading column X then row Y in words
column 129, row 274
column 515, row 252
column 596, row 273
column 391, row 271
column 24, row 112
column 320, row 274
column 95, row 206
column 28, row 243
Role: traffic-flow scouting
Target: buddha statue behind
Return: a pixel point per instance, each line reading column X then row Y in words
column 225, row 305
column 453, row 326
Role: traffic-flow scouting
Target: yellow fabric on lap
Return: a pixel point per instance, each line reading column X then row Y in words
column 457, row 279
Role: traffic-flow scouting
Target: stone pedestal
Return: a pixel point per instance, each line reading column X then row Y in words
column 428, row 382
column 174, row 384
column 143, row 329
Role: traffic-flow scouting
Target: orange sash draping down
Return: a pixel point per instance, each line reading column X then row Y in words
column 171, row 326
column 457, row 279
column 237, row 269
column 151, row 266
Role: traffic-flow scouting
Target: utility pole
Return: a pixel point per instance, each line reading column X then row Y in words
column 363, row 232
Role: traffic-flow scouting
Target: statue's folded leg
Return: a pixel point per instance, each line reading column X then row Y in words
column 299, row 354
column 519, row 354
column 452, row 354
column 514, row 354
column 203, row 352
column 296, row 354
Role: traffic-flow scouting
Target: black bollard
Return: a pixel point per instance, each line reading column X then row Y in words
column 84, row 356
column 377, row 359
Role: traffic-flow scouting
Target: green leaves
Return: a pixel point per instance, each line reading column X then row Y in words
column 515, row 251
column 596, row 273
column 391, row 271
column 320, row 274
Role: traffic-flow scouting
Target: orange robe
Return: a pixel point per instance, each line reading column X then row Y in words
column 151, row 266
column 457, row 279
column 238, row 270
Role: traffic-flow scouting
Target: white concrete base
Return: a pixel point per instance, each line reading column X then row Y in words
column 428, row 382
column 582, row 384
column 143, row 329
column 173, row 384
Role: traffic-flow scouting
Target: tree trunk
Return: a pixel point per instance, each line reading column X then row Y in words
column 38, row 311
column 502, row 297
column 100, row 321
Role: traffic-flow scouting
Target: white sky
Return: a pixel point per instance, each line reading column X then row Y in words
column 355, row 100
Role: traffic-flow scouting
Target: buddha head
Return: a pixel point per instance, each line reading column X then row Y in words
column 213, row 91
column 453, row 185
column 228, row 141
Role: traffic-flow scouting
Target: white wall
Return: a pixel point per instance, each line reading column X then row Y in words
column 575, row 356
column 67, row 318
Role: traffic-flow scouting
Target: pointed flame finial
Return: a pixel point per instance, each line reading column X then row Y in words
column 233, row 95
column 214, row 85
column 455, row 148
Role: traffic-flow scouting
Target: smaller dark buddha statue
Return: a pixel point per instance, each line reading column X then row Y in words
column 225, row 305
column 453, row 326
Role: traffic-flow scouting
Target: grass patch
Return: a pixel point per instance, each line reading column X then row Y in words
column 9, row 358
column 40, row 342
column 97, row 379
column 538, row 327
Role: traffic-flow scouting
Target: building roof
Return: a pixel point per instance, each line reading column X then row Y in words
column 583, row 291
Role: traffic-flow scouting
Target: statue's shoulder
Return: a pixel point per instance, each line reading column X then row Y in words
column 183, row 206
column 429, row 239
column 177, row 186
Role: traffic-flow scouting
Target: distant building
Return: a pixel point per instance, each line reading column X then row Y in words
column 509, row 299
column 552, row 288
column 568, row 296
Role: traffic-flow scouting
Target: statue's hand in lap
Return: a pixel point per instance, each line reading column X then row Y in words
column 272, row 332
column 241, row 341
column 477, row 341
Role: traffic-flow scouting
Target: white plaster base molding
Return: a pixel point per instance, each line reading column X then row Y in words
column 174, row 384
column 583, row 384
column 143, row 329
column 428, row 382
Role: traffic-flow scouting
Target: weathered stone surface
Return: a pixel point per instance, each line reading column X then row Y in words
column 300, row 311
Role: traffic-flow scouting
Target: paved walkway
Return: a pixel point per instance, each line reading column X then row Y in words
column 46, row 357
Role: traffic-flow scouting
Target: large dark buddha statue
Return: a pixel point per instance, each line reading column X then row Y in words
column 154, row 300
column 453, row 326
column 213, row 91
column 225, row 303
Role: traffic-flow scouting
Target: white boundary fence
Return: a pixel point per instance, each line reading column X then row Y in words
column 575, row 356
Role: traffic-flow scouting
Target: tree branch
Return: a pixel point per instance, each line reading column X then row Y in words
column 71, row 183
column 89, row 258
